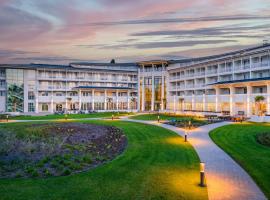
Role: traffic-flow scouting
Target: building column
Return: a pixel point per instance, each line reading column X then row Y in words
column 93, row 99
column 105, row 100
column 128, row 100
column 52, row 104
column 162, row 88
column 66, row 104
column 153, row 90
column 143, row 91
column 204, row 103
column 36, row 104
column 174, row 103
column 139, row 90
column 249, row 102
column 217, row 99
column 193, row 104
column 232, row 106
column 117, row 100
column 80, row 99
column 268, row 99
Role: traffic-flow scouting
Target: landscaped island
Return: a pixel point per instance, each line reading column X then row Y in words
column 181, row 121
column 42, row 150
column 249, row 145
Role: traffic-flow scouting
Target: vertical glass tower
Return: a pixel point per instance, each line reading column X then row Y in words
column 15, row 90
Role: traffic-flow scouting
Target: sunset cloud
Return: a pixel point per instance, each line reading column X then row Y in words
column 66, row 30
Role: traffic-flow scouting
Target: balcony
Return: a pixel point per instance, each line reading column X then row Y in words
column 212, row 72
column 227, row 70
column 260, row 64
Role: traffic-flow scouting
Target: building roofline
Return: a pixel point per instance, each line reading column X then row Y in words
column 241, row 81
column 220, row 56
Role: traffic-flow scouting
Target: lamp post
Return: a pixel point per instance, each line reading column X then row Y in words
column 202, row 174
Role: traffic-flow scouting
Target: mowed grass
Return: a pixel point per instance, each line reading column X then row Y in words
column 154, row 117
column 157, row 164
column 70, row 116
column 240, row 142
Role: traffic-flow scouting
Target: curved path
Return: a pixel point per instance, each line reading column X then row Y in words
column 226, row 180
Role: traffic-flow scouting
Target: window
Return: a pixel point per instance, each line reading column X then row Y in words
column 45, row 94
column 2, row 93
column 31, row 107
column 2, row 83
column 31, row 95
column 45, row 107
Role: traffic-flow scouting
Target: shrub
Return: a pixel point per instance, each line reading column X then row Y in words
column 66, row 172
column 34, row 173
column 264, row 139
column 87, row 159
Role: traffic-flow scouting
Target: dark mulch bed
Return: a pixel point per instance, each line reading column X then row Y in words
column 42, row 150
column 264, row 139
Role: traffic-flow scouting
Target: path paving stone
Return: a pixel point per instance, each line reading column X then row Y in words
column 226, row 180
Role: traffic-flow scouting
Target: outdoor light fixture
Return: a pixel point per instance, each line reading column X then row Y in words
column 189, row 124
column 158, row 118
column 112, row 117
column 185, row 135
column 7, row 118
column 202, row 174
column 66, row 116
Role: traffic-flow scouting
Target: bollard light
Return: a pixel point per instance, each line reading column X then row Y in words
column 185, row 135
column 66, row 116
column 112, row 117
column 202, row 174
column 158, row 118
column 189, row 124
column 7, row 118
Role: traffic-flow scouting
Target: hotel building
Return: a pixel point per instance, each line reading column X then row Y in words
column 221, row 83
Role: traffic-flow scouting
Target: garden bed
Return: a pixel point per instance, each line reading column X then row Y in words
column 189, row 122
column 56, row 149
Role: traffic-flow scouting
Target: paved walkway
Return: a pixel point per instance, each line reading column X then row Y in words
column 226, row 180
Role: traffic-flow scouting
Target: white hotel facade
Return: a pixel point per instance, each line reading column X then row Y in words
column 215, row 84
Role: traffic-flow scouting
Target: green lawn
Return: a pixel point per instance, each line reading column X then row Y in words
column 240, row 142
column 70, row 116
column 157, row 164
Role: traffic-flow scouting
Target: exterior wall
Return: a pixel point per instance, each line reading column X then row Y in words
column 224, row 83
column 59, row 90
column 200, row 85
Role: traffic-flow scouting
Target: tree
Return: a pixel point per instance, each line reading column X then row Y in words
column 259, row 100
column 109, row 103
column 133, row 102
column 15, row 98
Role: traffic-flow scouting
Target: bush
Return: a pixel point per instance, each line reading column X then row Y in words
column 66, row 172
column 87, row 159
column 264, row 139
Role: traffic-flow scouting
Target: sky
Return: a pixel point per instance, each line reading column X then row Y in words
column 64, row 31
